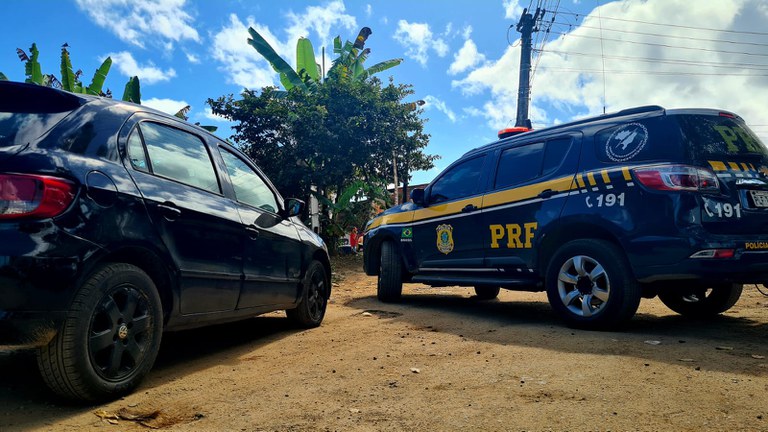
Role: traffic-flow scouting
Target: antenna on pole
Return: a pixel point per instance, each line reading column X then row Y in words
column 526, row 26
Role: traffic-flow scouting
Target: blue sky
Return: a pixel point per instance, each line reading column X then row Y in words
column 460, row 55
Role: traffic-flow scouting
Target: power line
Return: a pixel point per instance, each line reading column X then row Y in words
column 728, row 65
column 663, row 45
column 672, row 25
column 648, row 72
column 676, row 37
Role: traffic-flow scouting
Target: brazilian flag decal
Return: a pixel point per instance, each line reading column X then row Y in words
column 407, row 233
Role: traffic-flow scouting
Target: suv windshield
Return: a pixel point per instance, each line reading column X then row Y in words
column 720, row 137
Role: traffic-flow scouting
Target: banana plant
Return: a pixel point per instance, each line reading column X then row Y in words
column 348, row 65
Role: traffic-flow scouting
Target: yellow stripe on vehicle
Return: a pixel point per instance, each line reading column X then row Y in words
column 509, row 196
column 606, row 177
column 718, row 166
column 734, row 166
column 743, row 165
column 627, row 175
column 591, row 178
column 580, row 181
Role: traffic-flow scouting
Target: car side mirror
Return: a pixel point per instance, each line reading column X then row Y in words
column 294, row 207
column 417, row 195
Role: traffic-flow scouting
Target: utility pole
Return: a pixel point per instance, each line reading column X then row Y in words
column 526, row 26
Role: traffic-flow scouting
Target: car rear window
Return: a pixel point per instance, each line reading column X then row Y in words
column 720, row 137
column 644, row 140
column 27, row 111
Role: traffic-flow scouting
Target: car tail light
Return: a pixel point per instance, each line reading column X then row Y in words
column 32, row 196
column 677, row 178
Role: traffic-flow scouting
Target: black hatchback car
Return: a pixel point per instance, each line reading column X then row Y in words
column 598, row 213
column 118, row 222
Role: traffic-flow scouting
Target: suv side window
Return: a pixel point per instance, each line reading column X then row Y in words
column 136, row 152
column 179, row 156
column 518, row 165
column 249, row 187
column 460, row 181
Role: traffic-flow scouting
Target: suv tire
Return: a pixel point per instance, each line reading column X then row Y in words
column 314, row 298
column 590, row 284
column 702, row 302
column 485, row 292
column 110, row 336
column 390, row 283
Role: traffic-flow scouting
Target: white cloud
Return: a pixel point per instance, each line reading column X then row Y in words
column 368, row 11
column 168, row 106
column 140, row 21
column 433, row 102
column 244, row 66
column 467, row 57
column 419, row 40
column 192, row 58
column 512, row 9
column 568, row 84
column 148, row 74
column 466, row 33
column 207, row 113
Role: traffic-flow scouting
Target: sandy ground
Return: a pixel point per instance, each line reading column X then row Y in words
column 441, row 360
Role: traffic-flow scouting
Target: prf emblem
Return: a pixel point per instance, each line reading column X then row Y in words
column 445, row 238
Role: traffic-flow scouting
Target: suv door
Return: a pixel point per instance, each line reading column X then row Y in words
column 272, row 250
column 528, row 191
column 199, row 226
column 447, row 232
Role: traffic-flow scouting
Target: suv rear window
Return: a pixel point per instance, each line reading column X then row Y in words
column 650, row 139
column 27, row 111
column 719, row 137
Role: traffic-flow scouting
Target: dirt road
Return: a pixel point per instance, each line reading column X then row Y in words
column 440, row 360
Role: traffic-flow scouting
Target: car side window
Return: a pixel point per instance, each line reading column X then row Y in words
column 462, row 180
column 519, row 164
column 179, row 156
column 554, row 153
column 136, row 152
column 249, row 187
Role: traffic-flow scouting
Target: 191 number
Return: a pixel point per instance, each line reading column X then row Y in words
column 606, row 200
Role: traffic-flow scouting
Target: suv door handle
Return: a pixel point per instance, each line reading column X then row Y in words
column 253, row 233
column 469, row 208
column 169, row 211
column 546, row 193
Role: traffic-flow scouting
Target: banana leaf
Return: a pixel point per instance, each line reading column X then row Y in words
column 67, row 74
column 278, row 64
column 380, row 67
column 3, row 77
column 305, row 58
column 98, row 78
column 182, row 113
column 132, row 92
column 32, row 68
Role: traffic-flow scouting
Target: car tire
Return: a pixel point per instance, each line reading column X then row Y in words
column 390, row 284
column 485, row 292
column 314, row 298
column 110, row 336
column 702, row 302
column 590, row 285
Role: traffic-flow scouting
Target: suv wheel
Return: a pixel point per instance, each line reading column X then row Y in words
column 110, row 337
column 701, row 302
column 484, row 292
column 590, row 284
column 390, row 284
column 314, row 299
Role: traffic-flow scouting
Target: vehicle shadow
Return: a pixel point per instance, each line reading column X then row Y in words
column 724, row 343
column 28, row 404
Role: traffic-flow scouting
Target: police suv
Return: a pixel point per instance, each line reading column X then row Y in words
column 598, row 213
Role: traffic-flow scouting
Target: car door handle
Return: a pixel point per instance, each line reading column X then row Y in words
column 169, row 211
column 546, row 193
column 469, row 208
column 253, row 233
